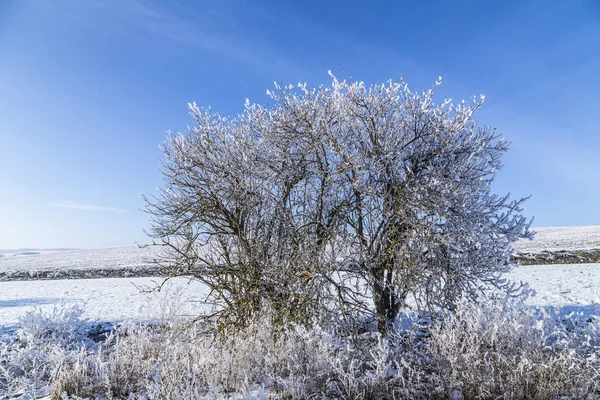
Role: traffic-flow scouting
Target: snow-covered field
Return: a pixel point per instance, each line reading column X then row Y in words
column 574, row 288
column 108, row 299
column 118, row 299
column 126, row 256
column 560, row 284
column 562, row 238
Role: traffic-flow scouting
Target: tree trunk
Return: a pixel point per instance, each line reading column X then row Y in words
column 387, row 302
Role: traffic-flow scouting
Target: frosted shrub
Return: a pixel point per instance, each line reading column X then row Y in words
column 168, row 362
column 178, row 361
column 28, row 358
column 63, row 326
column 283, row 208
column 505, row 350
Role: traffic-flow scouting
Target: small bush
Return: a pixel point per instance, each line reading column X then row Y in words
column 28, row 357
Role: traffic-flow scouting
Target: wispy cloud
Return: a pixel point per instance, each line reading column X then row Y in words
column 85, row 207
column 203, row 28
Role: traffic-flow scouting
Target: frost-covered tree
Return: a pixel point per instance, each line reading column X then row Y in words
column 337, row 193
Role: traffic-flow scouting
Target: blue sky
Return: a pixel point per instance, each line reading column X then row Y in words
column 89, row 88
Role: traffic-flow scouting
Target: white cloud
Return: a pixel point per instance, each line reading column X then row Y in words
column 85, row 207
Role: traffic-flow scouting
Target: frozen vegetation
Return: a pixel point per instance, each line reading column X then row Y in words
column 495, row 350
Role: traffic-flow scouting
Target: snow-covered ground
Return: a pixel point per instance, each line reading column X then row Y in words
column 562, row 238
column 560, row 284
column 117, row 299
column 108, row 299
column 31, row 252
column 113, row 257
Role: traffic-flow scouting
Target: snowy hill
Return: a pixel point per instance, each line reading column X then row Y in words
column 113, row 261
column 562, row 238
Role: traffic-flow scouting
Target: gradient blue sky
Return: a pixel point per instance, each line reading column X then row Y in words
column 88, row 89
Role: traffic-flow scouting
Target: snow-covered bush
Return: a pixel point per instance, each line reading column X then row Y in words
column 506, row 350
column 29, row 356
column 283, row 208
column 63, row 326
column 155, row 362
